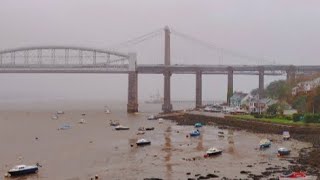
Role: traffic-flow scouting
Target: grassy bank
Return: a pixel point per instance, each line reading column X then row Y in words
column 273, row 120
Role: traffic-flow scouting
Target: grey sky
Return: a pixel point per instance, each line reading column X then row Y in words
column 285, row 31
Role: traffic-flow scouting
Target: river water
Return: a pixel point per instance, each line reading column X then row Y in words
column 28, row 135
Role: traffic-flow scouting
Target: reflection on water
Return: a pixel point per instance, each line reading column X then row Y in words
column 200, row 142
column 231, row 148
column 168, row 150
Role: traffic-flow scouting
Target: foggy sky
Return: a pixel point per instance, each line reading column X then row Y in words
column 284, row 31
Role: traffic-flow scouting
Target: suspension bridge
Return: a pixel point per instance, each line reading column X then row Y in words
column 73, row 59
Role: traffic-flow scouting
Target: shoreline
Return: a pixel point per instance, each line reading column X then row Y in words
column 308, row 159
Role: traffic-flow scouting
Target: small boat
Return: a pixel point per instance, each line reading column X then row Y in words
column 140, row 132
column 286, row 135
column 265, row 143
column 82, row 121
column 107, row 110
column 149, row 128
column 112, row 123
column 54, row 117
column 283, row 151
column 213, row 151
column 121, row 128
column 22, row 170
column 65, row 127
column 60, row 112
column 142, row 142
column 160, row 120
column 197, row 125
column 195, row 133
column 151, row 117
column 293, row 175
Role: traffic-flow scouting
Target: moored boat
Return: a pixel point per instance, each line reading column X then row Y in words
column 286, row 135
column 113, row 123
column 213, row 151
column 22, row 170
column 149, row 128
column 120, row 127
column 197, row 125
column 195, row 133
column 293, row 175
column 152, row 117
column 283, row 151
column 265, row 143
column 142, row 142
column 107, row 110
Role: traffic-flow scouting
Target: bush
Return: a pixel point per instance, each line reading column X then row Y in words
column 297, row 117
column 312, row 118
column 258, row 115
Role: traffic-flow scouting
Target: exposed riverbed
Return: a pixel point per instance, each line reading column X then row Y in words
column 96, row 148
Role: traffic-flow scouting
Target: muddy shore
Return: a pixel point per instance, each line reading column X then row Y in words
column 309, row 158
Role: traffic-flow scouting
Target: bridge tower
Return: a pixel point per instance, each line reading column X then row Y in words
column 198, row 89
column 291, row 75
column 230, row 84
column 261, row 82
column 167, row 106
column 132, row 105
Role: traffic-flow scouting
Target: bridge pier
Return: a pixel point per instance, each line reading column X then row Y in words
column 167, row 106
column 230, row 84
column 261, row 82
column 198, row 89
column 291, row 75
column 132, row 105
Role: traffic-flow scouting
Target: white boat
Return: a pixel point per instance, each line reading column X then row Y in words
column 152, row 117
column 107, row 110
column 213, row 151
column 283, row 151
column 140, row 132
column 142, row 142
column 82, row 121
column 265, row 143
column 23, row 170
column 114, row 123
column 60, row 112
column 286, row 135
column 160, row 120
column 120, row 127
column 54, row 117
column 155, row 99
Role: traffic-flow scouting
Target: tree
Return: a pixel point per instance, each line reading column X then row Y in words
column 300, row 104
column 278, row 90
column 273, row 109
column 254, row 92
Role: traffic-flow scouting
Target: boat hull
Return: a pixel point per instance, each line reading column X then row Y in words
column 23, row 172
column 214, row 153
column 283, row 153
column 121, row 129
column 143, row 143
column 194, row 134
column 262, row 146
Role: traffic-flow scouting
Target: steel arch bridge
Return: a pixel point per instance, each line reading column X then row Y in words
column 65, row 59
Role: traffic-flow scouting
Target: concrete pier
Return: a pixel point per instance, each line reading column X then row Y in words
column 198, row 89
column 261, row 82
column 132, row 105
column 167, row 106
column 230, row 84
column 291, row 75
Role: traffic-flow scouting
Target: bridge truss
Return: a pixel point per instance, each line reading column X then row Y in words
column 65, row 59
